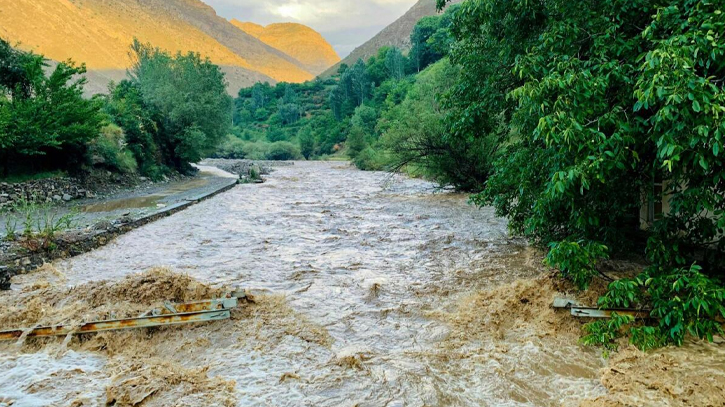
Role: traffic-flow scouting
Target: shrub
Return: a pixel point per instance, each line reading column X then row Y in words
column 231, row 147
column 109, row 150
column 256, row 150
column 283, row 150
column 370, row 159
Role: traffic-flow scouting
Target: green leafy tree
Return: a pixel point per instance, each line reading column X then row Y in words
column 128, row 110
column 360, row 82
column 593, row 104
column 415, row 134
column 365, row 118
column 43, row 115
column 188, row 97
column 395, row 62
column 307, row 142
column 355, row 142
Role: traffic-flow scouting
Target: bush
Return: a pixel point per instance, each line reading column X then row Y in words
column 599, row 106
column 370, row 159
column 256, row 150
column 43, row 114
column 109, row 150
column 307, row 142
column 283, row 151
column 231, row 147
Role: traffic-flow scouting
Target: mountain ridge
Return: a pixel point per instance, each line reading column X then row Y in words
column 297, row 40
column 99, row 33
column 397, row 34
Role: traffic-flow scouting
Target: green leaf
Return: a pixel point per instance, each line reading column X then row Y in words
column 696, row 106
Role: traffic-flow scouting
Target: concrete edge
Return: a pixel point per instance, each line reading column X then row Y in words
column 91, row 241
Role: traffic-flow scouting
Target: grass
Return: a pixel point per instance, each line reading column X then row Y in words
column 18, row 178
column 338, row 156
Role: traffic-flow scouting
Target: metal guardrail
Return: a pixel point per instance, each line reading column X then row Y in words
column 170, row 314
column 579, row 310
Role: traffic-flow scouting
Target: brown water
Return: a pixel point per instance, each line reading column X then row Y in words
column 384, row 293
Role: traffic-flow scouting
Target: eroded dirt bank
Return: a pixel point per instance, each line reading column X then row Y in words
column 376, row 297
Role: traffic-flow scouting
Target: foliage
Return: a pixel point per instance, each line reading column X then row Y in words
column 236, row 148
column 231, row 147
column 43, row 115
column 307, row 142
column 40, row 223
column 431, row 39
column 186, row 98
column 287, row 112
column 283, row 150
column 576, row 260
column 415, row 134
column 109, row 150
column 593, row 105
column 128, row 110
column 605, row 332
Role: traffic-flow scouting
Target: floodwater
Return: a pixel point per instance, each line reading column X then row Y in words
column 382, row 292
column 151, row 200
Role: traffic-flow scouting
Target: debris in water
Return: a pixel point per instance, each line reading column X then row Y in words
column 579, row 310
column 170, row 314
column 288, row 376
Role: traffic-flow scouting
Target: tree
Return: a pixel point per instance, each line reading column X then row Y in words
column 360, row 82
column 307, row 142
column 128, row 110
column 594, row 103
column 188, row 97
column 395, row 62
column 355, row 142
column 421, row 52
column 365, row 118
column 41, row 114
column 289, row 113
column 415, row 134
column 260, row 95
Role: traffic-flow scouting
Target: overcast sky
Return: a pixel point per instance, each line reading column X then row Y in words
column 344, row 23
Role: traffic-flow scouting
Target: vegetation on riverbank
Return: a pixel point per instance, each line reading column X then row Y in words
column 169, row 112
column 595, row 128
column 599, row 109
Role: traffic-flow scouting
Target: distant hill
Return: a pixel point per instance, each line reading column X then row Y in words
column 296, row 40
column 99, row 33
column 396, row 34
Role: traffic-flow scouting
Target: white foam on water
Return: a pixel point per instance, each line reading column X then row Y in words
column 43, row 379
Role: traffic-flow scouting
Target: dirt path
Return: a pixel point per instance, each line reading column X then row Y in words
column 397, row 296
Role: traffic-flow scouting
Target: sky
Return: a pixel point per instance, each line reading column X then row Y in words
column 345, row 24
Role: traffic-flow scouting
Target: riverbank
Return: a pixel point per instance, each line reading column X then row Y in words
column 98, row 220
column 372, row 291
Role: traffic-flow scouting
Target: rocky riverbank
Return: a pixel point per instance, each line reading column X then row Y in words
column 97, row 221
column 58, row 190
column 244, row 168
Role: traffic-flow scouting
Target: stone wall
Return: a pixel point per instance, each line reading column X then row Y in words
column 44, row 190
column 243, row 167
column 15, row 260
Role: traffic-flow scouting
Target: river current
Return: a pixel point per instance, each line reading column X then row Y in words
column 381, row 276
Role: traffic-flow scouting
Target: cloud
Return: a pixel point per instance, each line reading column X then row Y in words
column 344, row 23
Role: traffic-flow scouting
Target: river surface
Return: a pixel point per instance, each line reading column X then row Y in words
column 372, row 268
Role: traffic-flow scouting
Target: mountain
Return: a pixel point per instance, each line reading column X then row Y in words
column 296, row 40
column 396, row 35
column 99, row 33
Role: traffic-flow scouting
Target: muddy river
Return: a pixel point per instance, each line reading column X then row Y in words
column 371, row 291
